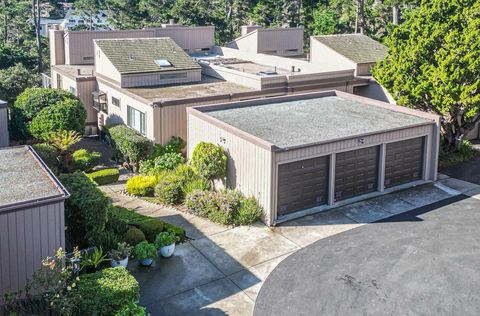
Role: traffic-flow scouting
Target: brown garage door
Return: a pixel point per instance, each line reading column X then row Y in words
column 403, row 161
column 302, row 184
column 356, row 172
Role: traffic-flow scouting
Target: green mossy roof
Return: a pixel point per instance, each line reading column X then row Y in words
column 358, row 48
column 133, row 56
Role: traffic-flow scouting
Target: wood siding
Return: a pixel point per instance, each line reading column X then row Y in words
column 154, row 79
column 249, row 167
column 26, row 237
column 4, row 138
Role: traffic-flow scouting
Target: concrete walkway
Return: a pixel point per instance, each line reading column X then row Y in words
column 221, row 270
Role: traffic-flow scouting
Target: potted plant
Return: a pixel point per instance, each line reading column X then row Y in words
column 165, row 242
column 145, row 253
column 120, row 255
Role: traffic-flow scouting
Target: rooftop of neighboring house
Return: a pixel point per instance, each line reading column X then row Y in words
column 312, row 120
column 76, row 71
column 208, row 87
column 242, row 65
column 33, row 184
column 146, row 55
column 359, row 48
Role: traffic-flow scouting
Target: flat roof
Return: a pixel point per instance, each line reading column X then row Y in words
column 241, row 65
column 76, row 71
column 24, row 178
column 208, row 86
column 302, row 122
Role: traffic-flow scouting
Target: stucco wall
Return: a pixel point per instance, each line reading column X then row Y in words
column 320, row 54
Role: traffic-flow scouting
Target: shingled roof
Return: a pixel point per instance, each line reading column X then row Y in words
column 358, row 48
column 133, row 56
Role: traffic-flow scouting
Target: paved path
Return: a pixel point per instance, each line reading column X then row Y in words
column 423, row 262
column 221, row 270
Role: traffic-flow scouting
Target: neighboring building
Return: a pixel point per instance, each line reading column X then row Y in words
column 272, row 41
column 4, row 137
column 306, row 153
column 31, row 216
column 351, row 50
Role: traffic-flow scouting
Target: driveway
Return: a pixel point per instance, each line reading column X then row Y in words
column 422, row 262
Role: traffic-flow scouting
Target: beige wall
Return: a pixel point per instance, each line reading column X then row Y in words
column 57, row 48
column 321, row 54
column 103, row 66
column 27, row 236
column 249, row 166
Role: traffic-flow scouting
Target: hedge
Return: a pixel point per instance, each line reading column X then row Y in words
column 134, row 236
column 106, row 292
column 133, row 146
column 85, row 209
column 141, row 185
column 68, row 115
column 84, row 160
column 105, row 176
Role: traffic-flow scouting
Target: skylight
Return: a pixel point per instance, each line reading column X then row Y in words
column 163, row 63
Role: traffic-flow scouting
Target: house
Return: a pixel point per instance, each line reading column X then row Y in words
column 4, row 138
column 31, row 216
column 306, row 153
column 355, row 50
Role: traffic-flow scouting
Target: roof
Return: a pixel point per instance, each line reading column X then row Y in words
column 358, row 48
column 24, row 178
column 131, row 56
column 81, row 72
column 308, row 121
column 207, row 87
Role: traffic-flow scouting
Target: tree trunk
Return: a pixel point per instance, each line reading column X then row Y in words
column 396, row 13
column 36, row 20
column 454, row 129
column 360, row 18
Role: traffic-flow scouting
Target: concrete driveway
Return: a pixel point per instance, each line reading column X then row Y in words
column 422, row 262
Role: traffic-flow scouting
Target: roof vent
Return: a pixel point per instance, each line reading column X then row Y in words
column 267, row 73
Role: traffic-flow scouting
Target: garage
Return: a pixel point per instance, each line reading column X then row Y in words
column 356, row 172
column 302, row 184
column 403, row 162
column 306, row 153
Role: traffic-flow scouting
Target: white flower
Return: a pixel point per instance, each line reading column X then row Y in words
column 73, row 284
column 69, row 288
column 78, row 279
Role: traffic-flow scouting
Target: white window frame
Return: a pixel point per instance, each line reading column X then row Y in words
column 136, row 119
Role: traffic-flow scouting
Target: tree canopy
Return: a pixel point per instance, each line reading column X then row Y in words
column 434, row 64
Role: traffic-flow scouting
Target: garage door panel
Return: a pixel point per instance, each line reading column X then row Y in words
column 403, row 161
column 302, row 184
column 356, row 172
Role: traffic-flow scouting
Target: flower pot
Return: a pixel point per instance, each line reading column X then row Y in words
column 121, row 263
column 167, row 251
column 146, row 262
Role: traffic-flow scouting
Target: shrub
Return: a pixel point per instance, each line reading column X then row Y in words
column 106, row 240
column 228, row 203
column 134, row 236
column 66, row 115
column 185, row 172
column 144, row 250
column 196, row 184
column 209, row 161
column 49, row 155
column 29, row 103
column 170, row 190
column 105, row 176
column 151, row 229
column 200, row 202
column 133, row 146
column 85, row 210
column 141, row 185
column 169, row 161
column 84, row 160
column 249, row 212
column 107, row 291
column 132, row 309
column 174, row 145
column 165, row 239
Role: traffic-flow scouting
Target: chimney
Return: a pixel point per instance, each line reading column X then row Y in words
column 250, row 28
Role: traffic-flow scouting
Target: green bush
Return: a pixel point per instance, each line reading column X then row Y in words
column 106, row 292
column 141, row 185
column 174, row 145
column 106, row 240
column 165, row 238
column 115, row 223
column 105, row 176
column 134, row 236
column 145, row 250
column 196, row 184
column 209, row 161
column 465, row 153
column 133, row 146
column 66, row 115
column 227, row 207
column 169, row 161
column 170, row 190
column 84, row 160
column 85, row 209
column 49, row 155
column 29, row 103
column 151, row 229
column 132, row 309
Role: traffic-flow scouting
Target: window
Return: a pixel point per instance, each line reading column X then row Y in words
column 87, row 58
column 136, row 119
column 178, row 75
column 116, row 102
column 163, row 63
column 73, row 90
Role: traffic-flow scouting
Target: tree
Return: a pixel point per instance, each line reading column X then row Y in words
column 433, row 64
column 14, row 80
column 36, row 14
column 324, row 21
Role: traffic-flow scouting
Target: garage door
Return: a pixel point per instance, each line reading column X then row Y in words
column 403, row 162
column 356, row 172
column 302, row 184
